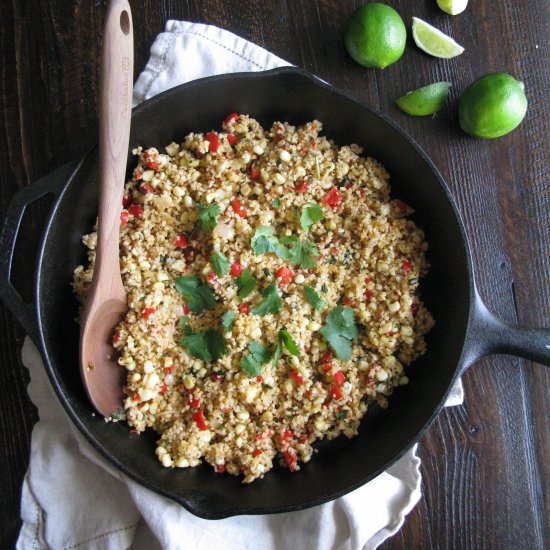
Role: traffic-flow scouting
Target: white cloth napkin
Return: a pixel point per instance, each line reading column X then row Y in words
column 72, row 498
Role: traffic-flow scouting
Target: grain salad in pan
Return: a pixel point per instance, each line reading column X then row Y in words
column 271, row 283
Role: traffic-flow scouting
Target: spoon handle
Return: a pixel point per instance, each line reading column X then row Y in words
column 115, row 109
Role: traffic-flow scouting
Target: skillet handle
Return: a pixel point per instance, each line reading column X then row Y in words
column 489, row 335
column 53, row 183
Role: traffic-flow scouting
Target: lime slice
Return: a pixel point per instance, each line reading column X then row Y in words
column 452, row 7
column 433, row 41
column 424, row 101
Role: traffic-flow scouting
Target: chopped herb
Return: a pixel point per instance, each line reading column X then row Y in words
column 183, row 321
column 348, row 257
column 342, row 414
column 276, row 203
column 272, row 302
column 317, row 169
column 332, row 259
column 313, row 298
column 208, row 345
column 324, row 288
column 227, row 320
column 339, row 331
column 207, row 216
column 198, row 295
column 264, row 242
column 168, row 442
column 301, row 253
column 267, row 273
column 311, row 213
column 220, row 264
column 344, row 181
column 119, row 415
column 285, row 339
column 252, row 363
column 245, row 283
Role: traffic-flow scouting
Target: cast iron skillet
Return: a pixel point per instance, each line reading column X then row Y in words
column 464, row 331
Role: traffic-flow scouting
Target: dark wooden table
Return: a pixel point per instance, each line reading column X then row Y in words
column 486, row 465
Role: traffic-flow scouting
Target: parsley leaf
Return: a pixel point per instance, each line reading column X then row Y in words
column 313, row 298
column 208, row 345
column 263, row 242
column 311, row 213
column 207, row 216
column 220, row 264
column 276, row 203
column 301, row 253
column 252, row 363
column 339, row 331
column 198, row 295
column 246, row 283
column 284, row 338
column 271, row 304
column 184, row 326
column 227, row 320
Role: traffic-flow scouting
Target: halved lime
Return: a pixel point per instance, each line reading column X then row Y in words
column 424, row 101
column 452, row 7
column 433, row 41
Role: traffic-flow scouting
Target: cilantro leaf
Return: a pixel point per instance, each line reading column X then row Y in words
column 220, row 264
column 284, row 338
column 246, row 283
column 301, row 253
column 207, row 216
column 252, row 363
column 263, row 242
column 208, row 345
column 313, row 298
column 227, row 320
column 276, row 203
column 184, row 326
column 311, row 213
column 198, row 295
column 339, row 331
column 272, row 302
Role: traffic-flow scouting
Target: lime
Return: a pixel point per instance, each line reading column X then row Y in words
column 375, row 35
column 433, row 41
column 492, row 106
column 452, row 7
column 424, row 101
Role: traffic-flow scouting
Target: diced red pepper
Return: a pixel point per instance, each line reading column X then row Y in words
column 302, row 187
column 297, row 376
column 259, row 378
column 254, row 174
column 153, row 165
column 220, row 468
column 148, row 312
column 335, row 392
column 244, row 308
column 147, row 188
column 215, row 377
column 212, row 277
column 369, row 294
column 194, row 402
column 124, row 217
column 284, row 275
column 135, row 210
column 333, row 198
column 198, row 417
column 126, row 199
column 163, row 389
column 348, row 302
column 256, row 452
column 186, row 310
column 180, row 241
column 115, row 338
column 406, row 266
column 339, row 378
column 213, row 141
column 287, row 436
column 278, row 137
column 231, row 118
column 168, row 370
column 236, row 269
column 414, row 308
column 326, row 357
column 137, row 174
column 237, row 208
column 232, row 139
column 327, row 367
column 291, row 460
column 190, row 253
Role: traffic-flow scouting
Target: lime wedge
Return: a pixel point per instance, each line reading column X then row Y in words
column 424, row 101
column 433, row 41
column 452, row 7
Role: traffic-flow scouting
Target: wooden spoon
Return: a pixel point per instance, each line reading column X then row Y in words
column 106, row 303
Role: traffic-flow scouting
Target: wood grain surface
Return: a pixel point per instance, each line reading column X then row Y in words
column 486, row 471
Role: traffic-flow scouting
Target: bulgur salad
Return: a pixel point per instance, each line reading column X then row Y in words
column 271, row 283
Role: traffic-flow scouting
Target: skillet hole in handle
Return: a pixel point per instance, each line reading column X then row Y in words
column 17, row 253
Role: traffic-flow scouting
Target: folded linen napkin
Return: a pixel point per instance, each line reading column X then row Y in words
column 72, row 498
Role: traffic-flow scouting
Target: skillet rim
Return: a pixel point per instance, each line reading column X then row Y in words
column 193, row 505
